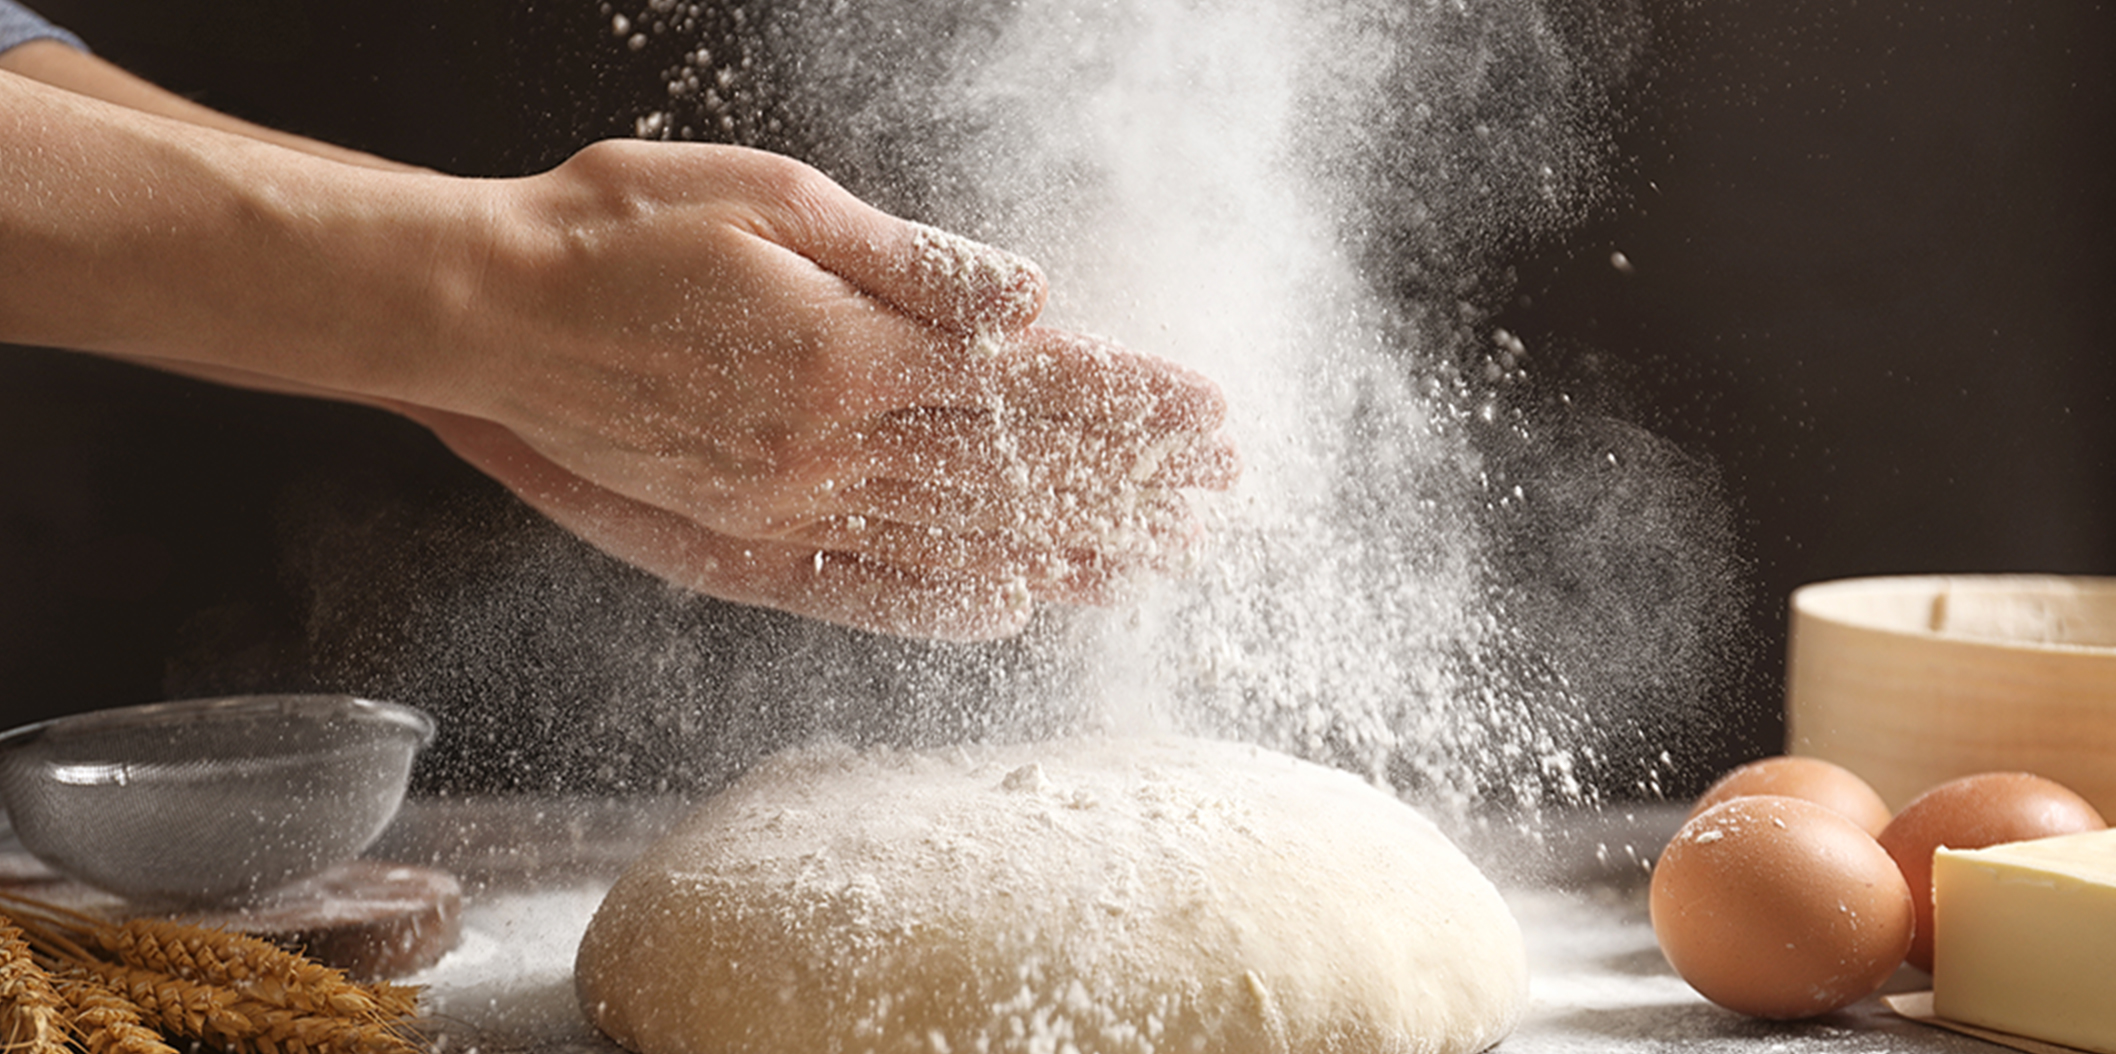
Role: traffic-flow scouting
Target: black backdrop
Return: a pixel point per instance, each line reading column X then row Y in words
column 1870, row 268
column 1869, row 245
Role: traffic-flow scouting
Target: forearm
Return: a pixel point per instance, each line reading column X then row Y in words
column 146, row 237
column 711, row 362
column 77, row 71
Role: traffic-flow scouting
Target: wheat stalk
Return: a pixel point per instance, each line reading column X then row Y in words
column 227, row 1020
column 276, row 1030
column 254, row 968
column 30, row 1007
column 125, row 982
column 108, row 1022
column 398, row 1001
column 177, row 1007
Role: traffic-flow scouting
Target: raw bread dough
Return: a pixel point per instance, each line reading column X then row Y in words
column 1126, row 896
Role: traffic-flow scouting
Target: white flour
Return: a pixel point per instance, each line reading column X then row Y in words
column 1130, row 896
column 1436, row 571
column 1598, row 984
column 1240, row 187
column 509, row 983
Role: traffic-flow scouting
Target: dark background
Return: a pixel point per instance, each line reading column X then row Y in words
column 1869, row 249
column 1871, row 276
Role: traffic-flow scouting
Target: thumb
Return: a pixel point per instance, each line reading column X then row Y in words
column 935, row 276
column 959, row 283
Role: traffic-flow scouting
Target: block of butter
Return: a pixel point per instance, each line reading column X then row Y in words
column 2024, row 938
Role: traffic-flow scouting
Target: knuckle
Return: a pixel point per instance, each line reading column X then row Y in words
column 832, row 375
column 788, row 199
column 789, row 476
column 608, row 160
column 806, row 193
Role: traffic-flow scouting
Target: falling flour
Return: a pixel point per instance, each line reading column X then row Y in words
column 1432, row 573
column 1420, row 580
column 1417, row 579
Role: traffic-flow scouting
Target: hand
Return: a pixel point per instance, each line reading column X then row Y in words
column 712, row 362
column 720, row 366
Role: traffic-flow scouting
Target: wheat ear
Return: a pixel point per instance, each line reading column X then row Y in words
column 177, row 1007
column 225, row 1019
column 108, row 1022
column 396, row 1000
column 276, row 1030
column 30, row 1018
column 255, row 969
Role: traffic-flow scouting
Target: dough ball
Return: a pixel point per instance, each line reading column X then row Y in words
column 1125, row 896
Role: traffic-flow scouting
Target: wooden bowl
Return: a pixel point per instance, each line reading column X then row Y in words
column 1913, row 681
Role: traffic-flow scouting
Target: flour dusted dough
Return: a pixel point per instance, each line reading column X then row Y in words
column 1129, row 896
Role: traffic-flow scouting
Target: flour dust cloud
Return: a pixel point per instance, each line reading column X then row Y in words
column 1432, row 572
column 1290, row 198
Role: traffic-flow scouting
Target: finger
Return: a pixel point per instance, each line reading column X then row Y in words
column 934, row 276
column 1211, row 463
column 963, row 284
column 1041, row 560
column 995, row 554
column 840, row 588
column 988, row 452
column 1055, row 374
column 1140, row 524
column 983, row 299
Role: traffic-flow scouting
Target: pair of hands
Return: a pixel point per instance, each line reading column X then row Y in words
column 717, row 365
column 710, row 362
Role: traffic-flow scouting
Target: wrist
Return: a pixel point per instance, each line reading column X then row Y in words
column 157, row 240
column 335, row 276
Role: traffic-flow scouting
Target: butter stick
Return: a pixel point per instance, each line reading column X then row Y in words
column 2025, row 938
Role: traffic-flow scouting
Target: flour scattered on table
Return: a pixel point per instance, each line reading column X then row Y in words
column 1127, row 896
column 510, row 981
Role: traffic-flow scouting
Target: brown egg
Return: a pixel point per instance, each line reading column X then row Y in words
column 1779, row 908
column 1810, row 779
column 1970, row 813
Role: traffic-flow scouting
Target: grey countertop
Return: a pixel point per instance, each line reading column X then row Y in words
column 535, row 871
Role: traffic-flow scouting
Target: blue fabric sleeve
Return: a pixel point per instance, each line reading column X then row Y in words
column 20, row 25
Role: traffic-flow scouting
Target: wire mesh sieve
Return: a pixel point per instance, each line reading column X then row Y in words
column 209, row 800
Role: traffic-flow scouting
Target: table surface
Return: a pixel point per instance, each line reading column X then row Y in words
column 534, row 872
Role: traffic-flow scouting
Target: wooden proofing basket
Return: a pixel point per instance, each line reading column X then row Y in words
column 1912, row 681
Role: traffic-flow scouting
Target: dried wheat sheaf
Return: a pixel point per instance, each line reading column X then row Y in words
column 75, row 983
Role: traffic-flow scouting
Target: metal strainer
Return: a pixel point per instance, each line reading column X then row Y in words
column 209, row 800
